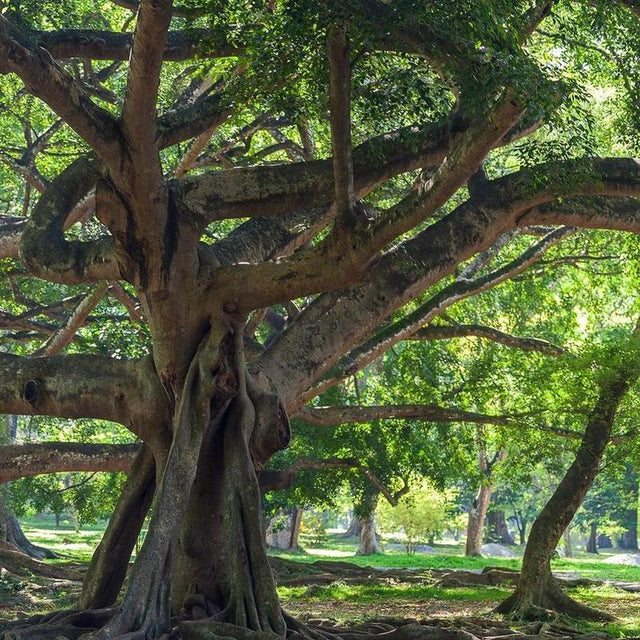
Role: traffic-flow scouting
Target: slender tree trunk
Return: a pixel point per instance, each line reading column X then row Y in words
column 110, row 560
column 355, row 526
column 568, row 549
column 498, row 530
column 368, row 538
column 480, row 505
column 629, row 539
column 521, row 524
column 537, row 590
column 477, row 515
column 295, row 529
column 592, row 542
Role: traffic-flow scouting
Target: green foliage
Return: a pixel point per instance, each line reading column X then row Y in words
column 420, row 514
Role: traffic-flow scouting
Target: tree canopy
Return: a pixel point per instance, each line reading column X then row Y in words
column 243, row 204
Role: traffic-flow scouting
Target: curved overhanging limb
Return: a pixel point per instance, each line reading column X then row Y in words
column 43, row 247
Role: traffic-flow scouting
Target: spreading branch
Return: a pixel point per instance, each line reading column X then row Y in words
column 89, row 44
column 44, row 249
column 25, row 460
column 283, row 479
column 446, row 332
column 44, row 78
column 85, row 386
column 332, row 416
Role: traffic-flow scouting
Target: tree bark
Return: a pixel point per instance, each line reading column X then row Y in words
column 568, row 548
column 592, row 542
column 477, row 514
column 537, row 590
column 221, row 567
column 498, row 530
column 110, row 561
column 368, row 538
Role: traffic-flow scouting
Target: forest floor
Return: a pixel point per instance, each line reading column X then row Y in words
column 329, row 582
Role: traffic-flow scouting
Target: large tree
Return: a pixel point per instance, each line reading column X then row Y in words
column 280, row 195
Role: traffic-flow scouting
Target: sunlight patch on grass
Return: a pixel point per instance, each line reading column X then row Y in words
column 330, row 553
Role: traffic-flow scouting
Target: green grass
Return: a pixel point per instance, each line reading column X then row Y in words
column 451, row 557
column 349, row 602
column 69, row 542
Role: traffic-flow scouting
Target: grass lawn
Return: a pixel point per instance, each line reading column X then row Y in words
column 345, row 601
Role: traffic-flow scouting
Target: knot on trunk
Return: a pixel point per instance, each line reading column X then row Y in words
column 271, row 432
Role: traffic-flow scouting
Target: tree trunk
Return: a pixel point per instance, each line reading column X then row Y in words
column 568, row 549
column 110, row 560
column 537, row 590
column 10, row 528
column 592, row 542
column 286, row 538
column 477, row 514
column 629, row 539
column 368, row 538
column 221, row 564
column 295, row 529
column 498, row 530
column 355, row 527
column 206, row 528
column 603, row 541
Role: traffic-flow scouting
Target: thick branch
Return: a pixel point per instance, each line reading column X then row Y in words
column 11, row 228
column 139, row 110
column 52, row 84
column 332, row 262
column 435, row 252
column 340, row 110
column 110, row 45
column 336, row 415
column 85, row 386
column 271, row 190
column 44, row 249
column 458, row 290
column 446, row 332
column 24, row 460
column 186, row 122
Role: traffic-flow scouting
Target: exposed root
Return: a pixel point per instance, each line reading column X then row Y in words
column 491, row 577
column 23, row 565
column 80, row 625
column 291, row 573
column 553, row 602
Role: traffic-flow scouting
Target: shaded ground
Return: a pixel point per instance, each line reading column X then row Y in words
column 329, row 593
